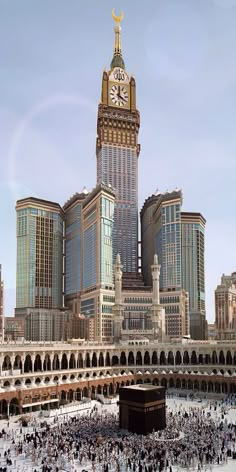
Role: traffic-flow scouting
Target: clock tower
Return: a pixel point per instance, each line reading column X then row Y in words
column 117, row 151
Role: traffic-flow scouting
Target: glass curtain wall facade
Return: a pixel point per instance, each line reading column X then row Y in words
column 118, row 166
column 193, row 266
column 73, row 218
column 39, row 279
column 90, row 253
column 167, row 221
column 106, row 248
column 73, row 250
column 97, row 279
column 98, row 221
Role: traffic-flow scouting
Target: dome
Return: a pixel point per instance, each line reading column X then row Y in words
column 117, row 61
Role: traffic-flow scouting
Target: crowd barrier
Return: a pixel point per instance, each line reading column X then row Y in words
column 66, row 409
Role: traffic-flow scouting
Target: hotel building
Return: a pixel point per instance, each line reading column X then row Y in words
column 178, row 240
column 97, row 266
column 39, row 278
column 89, row 284
column 73, row 250
column 117, row 153
column 193, row 270
column 225, row 307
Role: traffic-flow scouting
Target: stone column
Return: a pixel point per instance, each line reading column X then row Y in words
column 42, row 361
column 23, row 364
column 33, row 361
column 118, row 307
column 174, row 355
column 12, row 358
column 60, row 359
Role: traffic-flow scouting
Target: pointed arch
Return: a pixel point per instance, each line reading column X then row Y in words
column 94, row 360
column 131, row 358
column 64, row 362
column 170, row 358
column 147, row 358
column 186, row 358
column 28, row 364
column 6, row 363
column 101, row 360
column 214, row 358
column 55, row 362
column 178, row 358
column 17, row 362
column 139, row 360
column 115, row 360
column 163, row 358
column 38, row 363
column 87, row 360
column 123, row 358
column 47, row 363
column 108, row 361
column 221, row 358
column 154, row 358
column 72, row 363
column 229, row 360
column 193, row 358
column 80, row 361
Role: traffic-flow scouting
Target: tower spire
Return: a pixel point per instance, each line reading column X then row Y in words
column 117, row 60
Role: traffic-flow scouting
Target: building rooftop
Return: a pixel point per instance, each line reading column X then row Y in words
column 38, row 202
column 159, row 197
column 107, row 188
column 192, row 216
column 76, row 197
column 142, row 387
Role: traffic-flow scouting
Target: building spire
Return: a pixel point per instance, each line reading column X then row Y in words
column 117, row 60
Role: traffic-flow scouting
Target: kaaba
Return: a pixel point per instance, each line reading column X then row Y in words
column 142, row 408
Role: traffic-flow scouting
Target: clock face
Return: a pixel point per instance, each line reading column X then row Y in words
column 119, row 95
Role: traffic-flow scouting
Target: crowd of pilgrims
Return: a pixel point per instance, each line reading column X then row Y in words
column 194, row 439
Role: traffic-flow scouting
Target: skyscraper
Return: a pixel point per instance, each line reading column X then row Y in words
column 117, row 152
column 225, row 307
column 89, row 283
column 193, row 269
column 97, row 296
column 161, row 235
column 39, row 278
column 73, row 250
column 178, row 238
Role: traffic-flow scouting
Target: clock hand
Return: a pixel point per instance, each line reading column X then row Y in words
column 120, row 96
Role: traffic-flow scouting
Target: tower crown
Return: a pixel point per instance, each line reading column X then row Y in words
column 117, row 60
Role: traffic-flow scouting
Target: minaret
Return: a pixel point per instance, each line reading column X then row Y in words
column 118, row 307
column 155, row 281
column 157, row 311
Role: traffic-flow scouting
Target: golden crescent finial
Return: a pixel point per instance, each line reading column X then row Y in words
column 117, row 19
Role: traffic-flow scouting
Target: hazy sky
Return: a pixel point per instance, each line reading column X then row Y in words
column 182, row 53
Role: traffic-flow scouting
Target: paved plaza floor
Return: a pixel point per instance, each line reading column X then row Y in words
column 24, row 463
